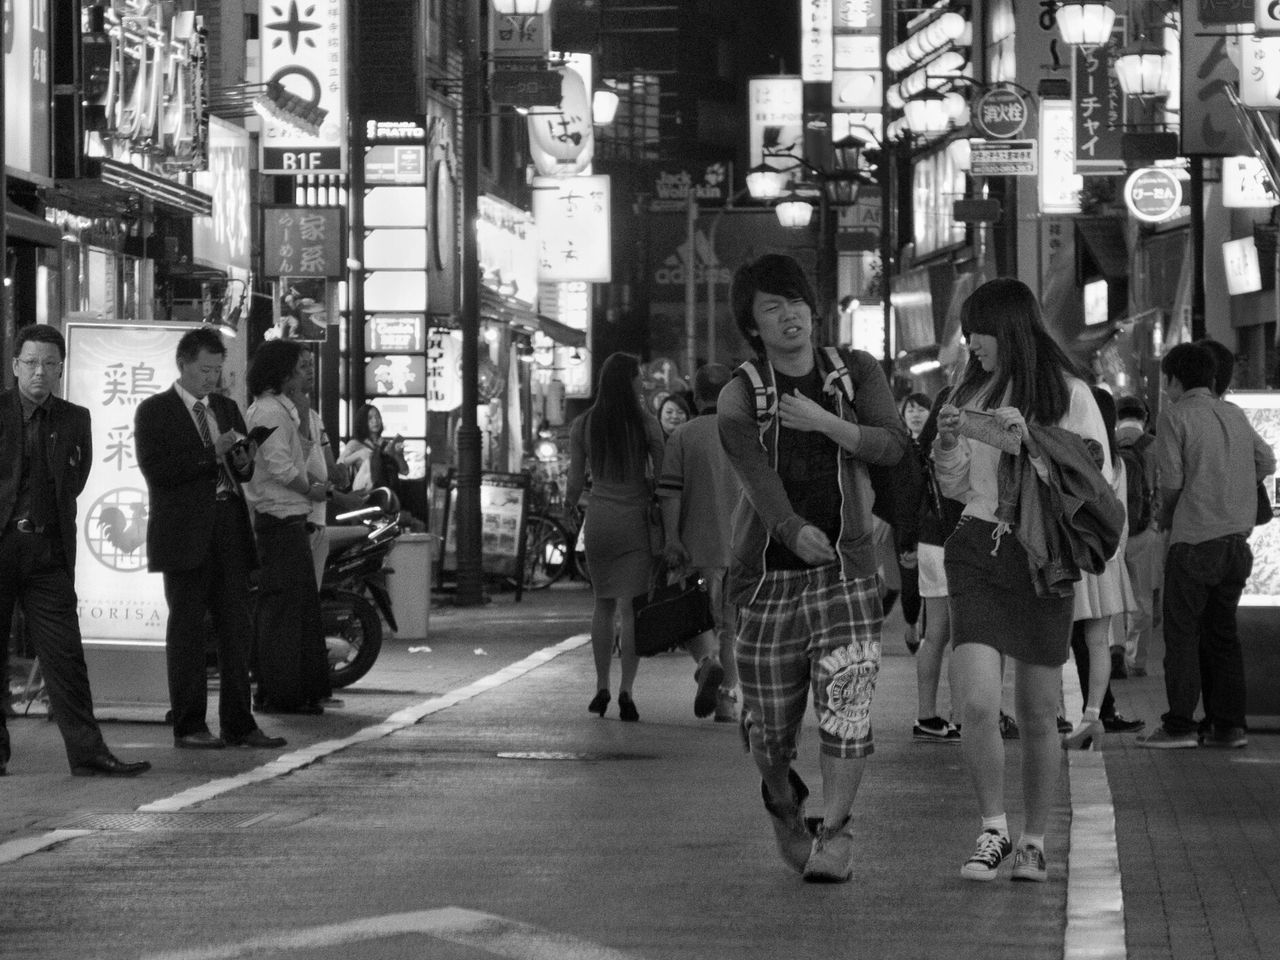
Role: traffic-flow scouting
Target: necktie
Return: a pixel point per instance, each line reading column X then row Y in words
column 225, row 483
column 40, row 480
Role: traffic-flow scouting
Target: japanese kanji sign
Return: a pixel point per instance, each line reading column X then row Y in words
column 302, row 50
column 572, row 219
column 1209, row 126
column 1100, row 108
column 303, row 242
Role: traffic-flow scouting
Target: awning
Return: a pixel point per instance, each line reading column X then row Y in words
column 1101, row 249
column 495, row 306
column 22, row 225
column 108, row 182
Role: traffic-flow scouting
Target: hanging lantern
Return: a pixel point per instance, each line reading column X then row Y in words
column 562, row 132
column 521, row 8
column 604, row 107
column 1085, row 23
column 765, row 182
column 546, row 165
column 794, row 212
column 1142, row 69
column 926, row 113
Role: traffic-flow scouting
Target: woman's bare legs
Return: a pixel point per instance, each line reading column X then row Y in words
column 602, row 625
column 1037, row 704
column 976, row 667
column 937, row 634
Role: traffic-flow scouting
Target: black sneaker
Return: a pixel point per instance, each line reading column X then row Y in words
column 992, row 850
column 1118, row 724
column 1118, row 669
column 934, row 730
column 1009, row 727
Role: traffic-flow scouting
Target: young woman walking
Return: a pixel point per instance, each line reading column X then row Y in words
column 1015, row 373
column 619, row 446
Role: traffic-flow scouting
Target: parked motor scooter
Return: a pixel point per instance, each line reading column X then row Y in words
column 354, row 588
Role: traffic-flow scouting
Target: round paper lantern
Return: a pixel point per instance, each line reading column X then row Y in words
column 563, row 131
column 548, row 166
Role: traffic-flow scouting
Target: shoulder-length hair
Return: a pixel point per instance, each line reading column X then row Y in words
column 360, row 422
column 773, row 273
column 273, row 363
column 616, row 441
column 1030, row 365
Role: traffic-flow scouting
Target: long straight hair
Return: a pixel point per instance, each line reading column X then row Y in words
column 1030, row 365
column 616, row 441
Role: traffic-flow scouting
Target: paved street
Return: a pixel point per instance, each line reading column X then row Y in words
column 463, row 804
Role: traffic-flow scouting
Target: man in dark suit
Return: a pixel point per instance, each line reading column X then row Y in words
column 45, row 456
column 199, row 538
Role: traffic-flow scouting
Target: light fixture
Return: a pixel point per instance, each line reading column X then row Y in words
column 926, row 113
column 1142, row 68
column 765, row 182
column 575, row 357
column 794, row 212
column 525, row 352
column 604, row 107
column 521, row 8
column 1085, row 23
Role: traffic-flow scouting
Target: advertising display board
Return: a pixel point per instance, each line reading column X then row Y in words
column 504, row 504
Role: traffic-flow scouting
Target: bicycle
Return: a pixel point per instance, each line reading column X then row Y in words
column 552, row 547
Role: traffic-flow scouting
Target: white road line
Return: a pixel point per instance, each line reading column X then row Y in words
column 1095, row 903
column 287, row 763
column 492, row 934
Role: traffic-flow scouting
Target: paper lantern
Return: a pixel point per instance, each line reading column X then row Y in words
column 563, row 132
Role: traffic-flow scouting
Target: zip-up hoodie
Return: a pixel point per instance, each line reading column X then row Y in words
column 764, row 512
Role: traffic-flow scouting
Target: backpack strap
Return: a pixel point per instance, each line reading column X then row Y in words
column 765, row 395
column 839, row 374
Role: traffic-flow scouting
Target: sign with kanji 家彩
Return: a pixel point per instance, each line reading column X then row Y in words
column 303, row 242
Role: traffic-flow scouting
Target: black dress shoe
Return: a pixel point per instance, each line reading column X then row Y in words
column 1118, row 724
column 105, row 765
column 200, row 740
column 256, row 738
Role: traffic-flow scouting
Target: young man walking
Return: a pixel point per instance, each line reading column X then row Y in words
column 799, row 434
column 1210, row 461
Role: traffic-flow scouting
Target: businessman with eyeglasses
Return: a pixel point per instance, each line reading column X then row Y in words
column 45, row 456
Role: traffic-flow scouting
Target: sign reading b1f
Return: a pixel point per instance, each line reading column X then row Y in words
column 302, row 51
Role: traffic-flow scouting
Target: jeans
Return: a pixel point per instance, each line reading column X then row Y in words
column 1202, row 587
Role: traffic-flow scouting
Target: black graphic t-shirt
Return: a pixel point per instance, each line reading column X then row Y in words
column 808, row 463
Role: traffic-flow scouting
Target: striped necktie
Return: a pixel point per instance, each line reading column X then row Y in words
column 225, row 483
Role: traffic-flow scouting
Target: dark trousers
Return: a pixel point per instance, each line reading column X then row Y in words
column 1080, row 650
column 911, row 602
column 1202, row 587
column 33, row 573
column 217, row 589
column 291, row 662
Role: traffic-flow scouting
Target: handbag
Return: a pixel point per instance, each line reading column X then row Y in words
column 671, row 614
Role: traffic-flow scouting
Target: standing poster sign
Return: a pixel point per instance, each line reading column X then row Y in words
column 111, row 368
column 504, row 505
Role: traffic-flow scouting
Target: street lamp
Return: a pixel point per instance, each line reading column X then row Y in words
column 521, row 8
column 1142, row 69
column 765, row 182
column 1085, row 23
column 927, row 113
column 794, row 212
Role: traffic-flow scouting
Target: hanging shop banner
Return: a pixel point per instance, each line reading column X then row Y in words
column 111, row 368
column 302, row 51
column 1059, row 185
column 1099, row 107
column 26, row 86
column 1209, row 127
column 1245, row 184
column 816, row 29
column 303, row 241
column 1260, row 72
column 222, row 239
column 1240, row 264
column 572, row 220
column 775, row 116
column 444, row 370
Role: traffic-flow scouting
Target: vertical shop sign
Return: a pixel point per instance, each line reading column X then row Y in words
column 444, row 370
column 1260, row 72
column 1058, row 183
column 303, row 242
column 1209, row 58
column 776, row 120
column 572, row 221
column 111, row 368
column 302, row 51
column 1099, row 107
column 26, row 85
column 222, row 239
column 815, row 41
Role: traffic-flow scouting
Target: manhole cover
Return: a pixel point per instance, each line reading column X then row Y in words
column 565, row 755
column 165, row 821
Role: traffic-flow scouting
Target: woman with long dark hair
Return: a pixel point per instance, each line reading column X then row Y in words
column 619, row 447
column 1016, row 373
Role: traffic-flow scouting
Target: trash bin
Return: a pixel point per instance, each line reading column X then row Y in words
column 410, row 583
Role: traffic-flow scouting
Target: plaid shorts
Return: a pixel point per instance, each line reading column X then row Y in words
column 809, row 629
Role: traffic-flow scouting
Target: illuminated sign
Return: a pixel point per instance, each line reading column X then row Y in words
column 397, row 375
column 1095, row 302
column 302, row 50
column 1245, row 183
column 394, row 333
column 111, row 368
column 936, row 181
column 815, row 41
column 1262, row 589
column 1059, row 185
column 1001, row 113
column 775, row 117
column 303, row 242
column 26, row 85
column 1260, row 72
column 1153, row 194
column 222, row 240
column 156, row 89
column 1100, row 109
column 444, row 370
column 507, row 246
column 389, row 163
column 573, row 216
column 1240, row 261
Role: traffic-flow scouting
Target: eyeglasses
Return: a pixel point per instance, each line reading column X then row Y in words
column 49, row 366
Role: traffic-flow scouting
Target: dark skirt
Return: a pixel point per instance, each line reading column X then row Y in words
column 993, row 599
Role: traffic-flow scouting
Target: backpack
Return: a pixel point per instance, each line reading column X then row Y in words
column 1139, row 497
column 898, row 489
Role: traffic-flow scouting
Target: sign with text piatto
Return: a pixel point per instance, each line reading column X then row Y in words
column 302, row 51
column 303, row 242
column 572, row 218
